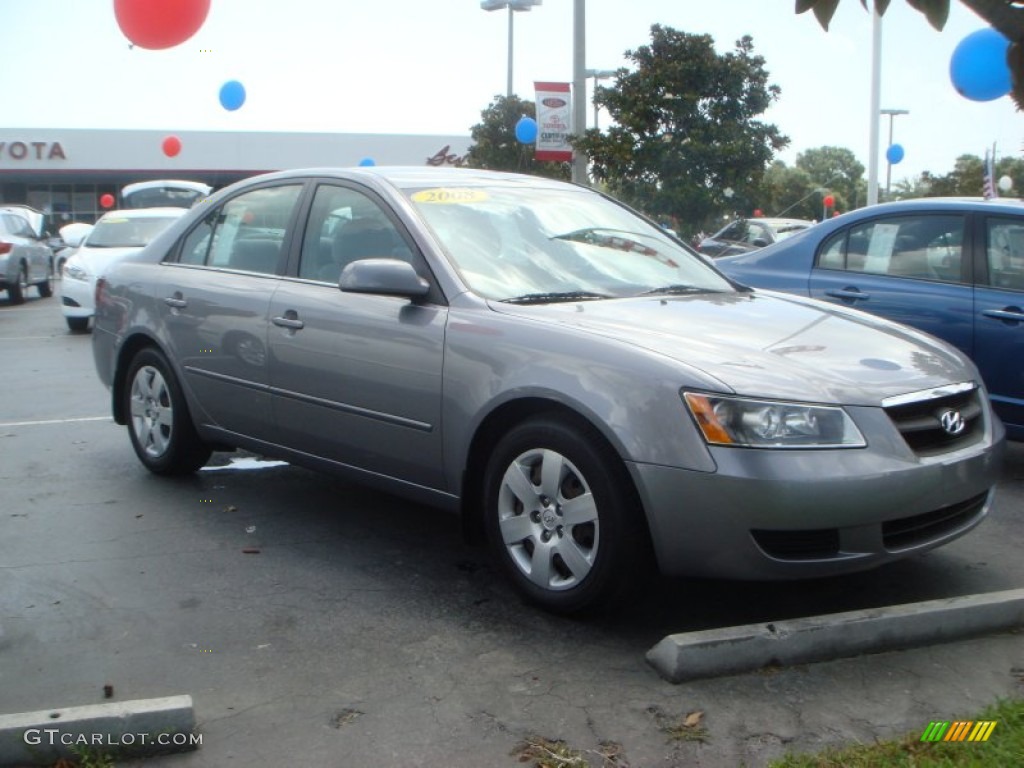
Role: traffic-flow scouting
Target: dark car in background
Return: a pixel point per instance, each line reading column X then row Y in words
column 951, row 267
column 745, row 235
column 580, row 386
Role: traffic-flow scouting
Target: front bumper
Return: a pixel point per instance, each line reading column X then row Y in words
column 777, row 514
column 77, row 297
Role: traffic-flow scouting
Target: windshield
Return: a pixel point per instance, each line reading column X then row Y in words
column 538, row 245
column 124, row 232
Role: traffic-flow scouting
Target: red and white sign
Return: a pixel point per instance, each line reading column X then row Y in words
column 554, row 122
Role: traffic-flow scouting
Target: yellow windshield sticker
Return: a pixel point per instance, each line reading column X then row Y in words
column 449, row 195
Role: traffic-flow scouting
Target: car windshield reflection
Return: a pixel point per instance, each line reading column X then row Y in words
column 540, row 245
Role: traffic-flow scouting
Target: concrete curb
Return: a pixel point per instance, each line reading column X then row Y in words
column 729, row 650
column 141, row 727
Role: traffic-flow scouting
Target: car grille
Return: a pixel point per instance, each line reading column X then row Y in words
column 920, row 420
column 904, row 533
column 911, row 531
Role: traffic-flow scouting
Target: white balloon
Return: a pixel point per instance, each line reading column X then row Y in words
column 1005, row 184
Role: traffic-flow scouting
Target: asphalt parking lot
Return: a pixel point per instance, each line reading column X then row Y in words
column 316, row 622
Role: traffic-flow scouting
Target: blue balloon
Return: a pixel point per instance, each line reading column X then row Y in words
column 978, row 67
column 232, row 95
column 894, row 154
column 526, row 130
column 366, row 162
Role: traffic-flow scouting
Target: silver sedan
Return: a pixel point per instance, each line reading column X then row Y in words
column 24, row 259
column 580, row 386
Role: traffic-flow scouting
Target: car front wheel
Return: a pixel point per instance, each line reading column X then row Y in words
column 562, row 517
column 159, row 424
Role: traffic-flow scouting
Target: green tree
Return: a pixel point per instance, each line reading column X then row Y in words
column 967, row 179
column 837, row 170
column 685, row 135
column 495, row 146
column 789, row 191
column 1005, row 15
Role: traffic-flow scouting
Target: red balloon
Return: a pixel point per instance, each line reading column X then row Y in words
column 107, row 200
column 157, row 24
column 172, row 146
column 758, row 213
column 829, row 201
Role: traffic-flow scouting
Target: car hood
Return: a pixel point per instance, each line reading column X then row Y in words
column 96, row 260
column 771, row 345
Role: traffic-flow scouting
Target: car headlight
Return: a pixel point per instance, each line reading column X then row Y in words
column 738, row 421
column 75, row 271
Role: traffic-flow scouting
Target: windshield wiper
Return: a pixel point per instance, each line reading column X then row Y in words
column 552, row 297
column 673, row 290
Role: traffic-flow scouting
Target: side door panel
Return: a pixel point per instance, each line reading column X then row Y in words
column 214, row 306
column 356, row 378
column 999, row 316
column 910, row 269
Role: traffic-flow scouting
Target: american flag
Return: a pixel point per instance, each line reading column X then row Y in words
column 989, row 188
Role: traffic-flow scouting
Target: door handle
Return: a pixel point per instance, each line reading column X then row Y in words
column 290, row 320
column 175, row 302
column 1007, row 315
column 848, row 294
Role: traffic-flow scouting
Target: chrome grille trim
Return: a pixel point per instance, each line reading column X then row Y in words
column 929, row 394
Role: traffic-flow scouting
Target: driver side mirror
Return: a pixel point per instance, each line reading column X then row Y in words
column 386, row 277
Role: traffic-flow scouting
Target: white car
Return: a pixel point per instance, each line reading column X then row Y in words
column 116, row 234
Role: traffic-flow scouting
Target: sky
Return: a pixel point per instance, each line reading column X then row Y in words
column 432, row 66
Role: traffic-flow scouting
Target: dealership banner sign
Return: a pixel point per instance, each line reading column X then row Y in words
column 554, row 122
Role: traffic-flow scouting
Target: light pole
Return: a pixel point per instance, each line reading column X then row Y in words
column 579, row 86
column 513, row 6
column 888, row 168
column 876, row 89
column 598, row 74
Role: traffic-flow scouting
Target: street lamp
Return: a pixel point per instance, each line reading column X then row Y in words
column 579, row 85
column 888, row 168
column 598, row 74
column 512, row 5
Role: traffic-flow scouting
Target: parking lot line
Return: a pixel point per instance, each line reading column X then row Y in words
column 52, row 421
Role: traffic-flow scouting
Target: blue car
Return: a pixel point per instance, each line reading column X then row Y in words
column 951, row 267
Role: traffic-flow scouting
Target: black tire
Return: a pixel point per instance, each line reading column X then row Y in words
column 159, row 423
column 45, row 288
column 563, row 566
column 78, row 324
column 16, row 291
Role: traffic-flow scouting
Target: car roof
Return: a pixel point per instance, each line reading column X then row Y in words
column 139, row 186
column 143, row 213
column 777, row 222
column 420, row 176
column 1011, row 204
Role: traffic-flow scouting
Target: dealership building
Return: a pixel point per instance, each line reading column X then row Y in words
column 66, row 172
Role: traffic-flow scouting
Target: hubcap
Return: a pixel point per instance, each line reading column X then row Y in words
column 548, row 519
column 151, row 412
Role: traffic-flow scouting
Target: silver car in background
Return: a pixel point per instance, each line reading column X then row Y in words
column 24, row 259
column 589, row 393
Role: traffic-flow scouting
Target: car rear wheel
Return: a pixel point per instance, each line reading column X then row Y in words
column 16, row 291
column 159, row 423
column 45, row 288
column 562, row 516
